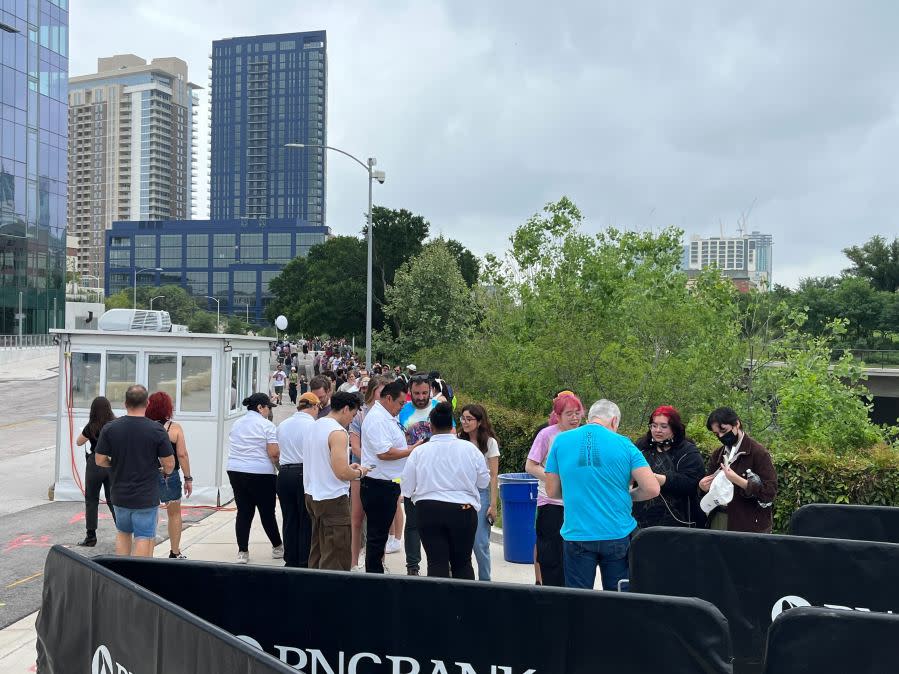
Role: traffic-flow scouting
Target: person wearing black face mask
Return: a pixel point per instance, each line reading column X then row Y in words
column 677, row 465
column 748, row 466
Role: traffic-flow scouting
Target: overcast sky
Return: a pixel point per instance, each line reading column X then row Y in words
column 695, row 114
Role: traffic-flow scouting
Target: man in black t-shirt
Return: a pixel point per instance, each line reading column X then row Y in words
column 135, row 447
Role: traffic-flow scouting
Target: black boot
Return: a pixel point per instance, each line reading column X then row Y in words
column 90, row 540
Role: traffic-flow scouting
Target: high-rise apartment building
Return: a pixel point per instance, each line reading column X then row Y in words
column 745, row 258
column 267, row 91
column 132, row 134
column 34, row 67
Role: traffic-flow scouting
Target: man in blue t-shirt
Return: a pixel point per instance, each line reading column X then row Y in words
column 592, row 468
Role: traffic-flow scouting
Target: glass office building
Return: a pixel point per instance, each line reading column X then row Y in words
column 267, row 91
column 231, row 260
column 34, row 67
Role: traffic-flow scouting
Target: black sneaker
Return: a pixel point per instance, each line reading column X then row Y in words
column 88, row 542
column 179, row 555
column 412, row 571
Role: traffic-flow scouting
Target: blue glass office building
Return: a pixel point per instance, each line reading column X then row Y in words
column 231, row 260
column 34, row 67
column 267, row 91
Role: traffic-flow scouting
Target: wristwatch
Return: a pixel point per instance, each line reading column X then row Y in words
column 188, row 478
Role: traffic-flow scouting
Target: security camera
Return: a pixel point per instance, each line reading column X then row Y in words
column 380, row 176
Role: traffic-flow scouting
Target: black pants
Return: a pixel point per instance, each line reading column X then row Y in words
column 296, row 522
column 292, row 392
column 379, row 500
column 550, row 545
column 411, row 535
column 447, row 532
column 94, row 478
column 253, row 491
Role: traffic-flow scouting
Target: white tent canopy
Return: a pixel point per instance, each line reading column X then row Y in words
column 206, row 375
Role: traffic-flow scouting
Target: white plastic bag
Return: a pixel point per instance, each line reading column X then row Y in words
column 720, row 493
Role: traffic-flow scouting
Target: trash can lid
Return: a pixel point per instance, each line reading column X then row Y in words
column 517, row 477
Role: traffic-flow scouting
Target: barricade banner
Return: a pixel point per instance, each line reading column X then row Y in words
column 816, row 640
column 854, row 522
column 92, row 620
column 348, row 623
column 753, row 578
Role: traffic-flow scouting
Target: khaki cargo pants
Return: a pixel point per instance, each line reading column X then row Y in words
column 331, row 533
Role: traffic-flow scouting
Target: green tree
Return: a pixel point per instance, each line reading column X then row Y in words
column 862, row 307
column 876, row 260
column 180, row 304
column 236, row 326
column 325, row 292
column 429, row 302
column 469, row 265
column 202, row 321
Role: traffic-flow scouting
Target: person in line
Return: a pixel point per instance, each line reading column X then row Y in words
column 748, row 466
column 278, row 379
column 444, row 479
column 292, row 380
column 160, row 409
column 351, row 385
column 357, row 514
column 477, row 429
column 678, row 467
column 567, row 412
column 252, row 459
column 414, row 417
column 385, row 451
column 592, row 468
column 135, row 448
column 326, row 479
column 95, row 477
column 296, row 524
column 321, row 387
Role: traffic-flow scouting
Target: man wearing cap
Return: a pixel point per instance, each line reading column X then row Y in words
column 296, row 523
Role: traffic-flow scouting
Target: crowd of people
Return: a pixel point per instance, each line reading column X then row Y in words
column 374, row 461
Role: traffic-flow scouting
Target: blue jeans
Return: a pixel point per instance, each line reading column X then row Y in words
column 139, row 522
column 482, row 538
column 582, row 557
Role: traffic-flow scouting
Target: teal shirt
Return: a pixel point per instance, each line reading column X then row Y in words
column 594, row 465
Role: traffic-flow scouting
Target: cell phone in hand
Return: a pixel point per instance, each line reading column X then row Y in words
column 491, row 520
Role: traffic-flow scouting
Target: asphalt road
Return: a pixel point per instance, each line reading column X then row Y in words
column 29, row 522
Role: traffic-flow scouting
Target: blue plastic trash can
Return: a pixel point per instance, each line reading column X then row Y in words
column 518, row 493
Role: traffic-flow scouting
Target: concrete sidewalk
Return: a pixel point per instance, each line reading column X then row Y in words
column 37, row 368
column 213, row 539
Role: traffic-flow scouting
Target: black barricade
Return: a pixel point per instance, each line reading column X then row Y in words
column 341, row 623
column 815, row 640
column 854, row 522
column 753, row 577
column 93, row 620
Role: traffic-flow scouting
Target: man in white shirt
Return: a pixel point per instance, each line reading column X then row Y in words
column 444, row 478
column 296, row 523
column 384, row 451
column 326, row 478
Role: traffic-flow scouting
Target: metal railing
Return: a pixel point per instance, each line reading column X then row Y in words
column 25, row 341
column 882, row 358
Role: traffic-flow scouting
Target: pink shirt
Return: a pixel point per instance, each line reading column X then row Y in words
column 539, row 452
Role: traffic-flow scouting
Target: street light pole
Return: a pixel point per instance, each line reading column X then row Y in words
column 136, row 272
column 158, row 297
column 217, row 315
column 380, row 176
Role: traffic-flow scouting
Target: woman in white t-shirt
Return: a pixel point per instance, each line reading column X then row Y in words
column 477, row 429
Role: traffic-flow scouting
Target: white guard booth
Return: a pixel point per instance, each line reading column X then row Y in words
column 207, row 376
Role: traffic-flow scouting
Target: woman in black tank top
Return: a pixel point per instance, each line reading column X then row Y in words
column 95, row 476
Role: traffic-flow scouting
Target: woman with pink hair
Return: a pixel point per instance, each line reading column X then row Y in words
column 566, row 415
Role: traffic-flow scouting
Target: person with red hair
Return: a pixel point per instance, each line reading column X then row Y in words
column 161, row 410
column 677, row 465
column 567, row 412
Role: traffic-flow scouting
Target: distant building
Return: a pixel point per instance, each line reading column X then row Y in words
column 268, row 91
column 230, row 260
column 746, row 259
column 132, row 131
column 34, row 42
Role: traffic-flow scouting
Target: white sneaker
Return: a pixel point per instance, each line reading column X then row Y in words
column 278, row 553
column 359, row 568
column 243, row 557
column 393, row 545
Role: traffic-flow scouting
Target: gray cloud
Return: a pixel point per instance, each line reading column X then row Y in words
column 646, row 114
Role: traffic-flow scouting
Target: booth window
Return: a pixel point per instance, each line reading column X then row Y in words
column 196, row 384
column 85, row 379
column 121, row 372
column 162, row 373
column 254, row 381
column 235, row 377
